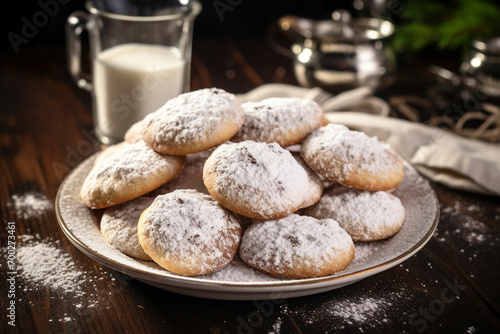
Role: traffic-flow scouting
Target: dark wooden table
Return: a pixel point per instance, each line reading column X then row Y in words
column 450, row 286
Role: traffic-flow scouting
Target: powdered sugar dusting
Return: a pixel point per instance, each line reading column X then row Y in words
column 191, row 227
column 285, row 244
column 194, row 116
column 350, row 150
column 191, row 176
column 273, row 119
column 365, row 215
column 131, row 166
column 263, row 178
column 239, row 271
column 119, row 226
column 30, row 204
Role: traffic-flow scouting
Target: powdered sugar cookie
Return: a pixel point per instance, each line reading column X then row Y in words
column 189, row 233
column 119, row 226
column 352, row 158
column 132, row 171
column 191, row 176
column 193, row 122
column 108, row 151
column 297, row 246
column 133, row 134
column 365, row 215
column 286, row 121
column 314, row 179
column 259, row 180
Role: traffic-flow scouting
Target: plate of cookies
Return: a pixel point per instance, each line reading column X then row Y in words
column 213, row 197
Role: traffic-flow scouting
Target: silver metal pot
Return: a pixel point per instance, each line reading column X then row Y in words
column 341, row 53
column 480, row 70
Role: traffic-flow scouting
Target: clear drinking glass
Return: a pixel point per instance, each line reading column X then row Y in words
column 140, row 58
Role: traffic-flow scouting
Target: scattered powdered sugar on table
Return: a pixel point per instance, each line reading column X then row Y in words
column 359, row 310
column 472, row 231
column 45, row 265
column 30, row 204
column 347, row 312
column 277, row 326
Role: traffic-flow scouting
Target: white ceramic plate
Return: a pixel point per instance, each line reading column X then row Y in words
column 238, row 281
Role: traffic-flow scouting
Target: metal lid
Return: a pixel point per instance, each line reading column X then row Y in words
column 341, row 28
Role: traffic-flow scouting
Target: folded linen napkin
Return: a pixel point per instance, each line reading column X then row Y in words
column 458, row 162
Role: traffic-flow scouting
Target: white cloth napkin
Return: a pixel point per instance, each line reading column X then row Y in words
column 455, row 161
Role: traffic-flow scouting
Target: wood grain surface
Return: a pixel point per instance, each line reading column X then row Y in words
column 450, row 286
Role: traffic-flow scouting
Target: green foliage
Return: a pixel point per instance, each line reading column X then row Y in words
column 452, row 25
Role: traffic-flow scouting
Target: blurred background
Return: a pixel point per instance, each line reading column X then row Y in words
column 432, row 41
column 445, row 24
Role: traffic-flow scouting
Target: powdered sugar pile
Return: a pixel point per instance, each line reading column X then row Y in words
column 44, row 264
column 348, row 313
column 45, row 271
column 360, row 311
column 30, row 204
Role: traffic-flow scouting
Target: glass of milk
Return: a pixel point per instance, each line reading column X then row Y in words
column 140, row 58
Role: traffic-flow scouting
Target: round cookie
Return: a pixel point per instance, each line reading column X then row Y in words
column 189, row 233
column 119, row 226
column 297, row 247
column 130, row 172
column 365, row 215
column 286, row 121
column 133, row 134
column 191, row 176
column 352, row 158
column 193, row 122
column 108, row 151
column 259, row 180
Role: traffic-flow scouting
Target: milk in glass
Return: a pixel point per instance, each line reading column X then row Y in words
column 132, row 80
